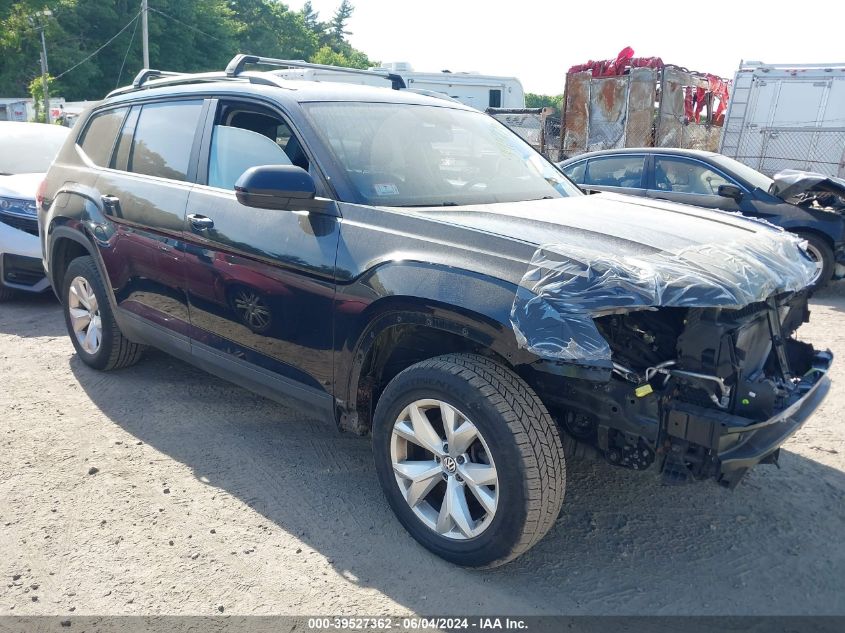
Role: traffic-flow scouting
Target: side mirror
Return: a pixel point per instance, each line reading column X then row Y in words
column 274, row 187
column 730, row 191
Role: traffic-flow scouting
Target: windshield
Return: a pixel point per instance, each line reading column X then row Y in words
column 748, row 174
column 416, row 155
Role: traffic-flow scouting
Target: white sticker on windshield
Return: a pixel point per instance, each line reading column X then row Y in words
column 386, row 189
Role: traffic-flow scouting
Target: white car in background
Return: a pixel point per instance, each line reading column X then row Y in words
column 26, row 152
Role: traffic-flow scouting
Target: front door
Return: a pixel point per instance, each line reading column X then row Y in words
column 692, row 182
column 261, row 282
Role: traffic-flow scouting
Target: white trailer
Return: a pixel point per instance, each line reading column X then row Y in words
column 787, row 116
column 473, row 89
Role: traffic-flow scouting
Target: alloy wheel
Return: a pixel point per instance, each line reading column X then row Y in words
column 818, row 260
column 444, row 469
column 252, row 310
column 85, row 315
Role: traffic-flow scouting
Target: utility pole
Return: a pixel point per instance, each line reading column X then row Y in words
column 44, row 71
column 145, row 33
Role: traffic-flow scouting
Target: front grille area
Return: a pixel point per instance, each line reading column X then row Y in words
column 24, row 271
column 28, row 225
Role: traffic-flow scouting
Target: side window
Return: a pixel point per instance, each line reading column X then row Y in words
column 683, row 176
column 98, row 140
column 244, row 138
column 163, row 139
column 495, row 100
column 124, row 142
column 575, row 172
column 615, row 171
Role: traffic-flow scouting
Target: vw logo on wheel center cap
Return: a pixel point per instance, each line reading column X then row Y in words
column 450, row 465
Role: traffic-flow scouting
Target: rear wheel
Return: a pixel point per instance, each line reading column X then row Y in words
column 469, row 459
column 822, row 255
column 90, row 322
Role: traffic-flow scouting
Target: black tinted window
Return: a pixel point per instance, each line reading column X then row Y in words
column 98, row 141
column 615, row 171
column 124, row 141
column 163, row 139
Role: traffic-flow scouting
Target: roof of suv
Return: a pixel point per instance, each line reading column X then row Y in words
column 290, row 90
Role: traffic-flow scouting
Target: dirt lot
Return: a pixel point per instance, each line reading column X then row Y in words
column 207, row 498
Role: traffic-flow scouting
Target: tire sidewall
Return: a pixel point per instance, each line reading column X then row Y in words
column 828, row 262
column 86, row 268
column 506, row 528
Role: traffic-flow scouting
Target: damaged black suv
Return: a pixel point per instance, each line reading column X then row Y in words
column 413, row 269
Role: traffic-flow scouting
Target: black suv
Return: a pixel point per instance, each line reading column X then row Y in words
column 410, row 267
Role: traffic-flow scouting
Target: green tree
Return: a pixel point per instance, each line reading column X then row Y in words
column 337, row 26
column 36, row 91
column 311, row 18
column 271, row 29
column 93, row 45
column 351, row 58
column 533, row 100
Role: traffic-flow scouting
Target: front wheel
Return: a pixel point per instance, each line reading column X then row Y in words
column 469, row 459
column 822, row 255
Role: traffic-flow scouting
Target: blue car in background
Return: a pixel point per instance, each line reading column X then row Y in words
column 807, row 204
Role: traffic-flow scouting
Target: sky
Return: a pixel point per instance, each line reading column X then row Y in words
column 538, row 40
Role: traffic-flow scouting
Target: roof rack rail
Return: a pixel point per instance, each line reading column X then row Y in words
column 150, row 73
column 149, row 78
column 236, row 67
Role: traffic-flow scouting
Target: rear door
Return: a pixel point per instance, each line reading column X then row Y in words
column 145, row 192
column 260, row 281
column 618, row 173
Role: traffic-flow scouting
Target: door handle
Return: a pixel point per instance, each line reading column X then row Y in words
column 200, row 222
column 111, row 204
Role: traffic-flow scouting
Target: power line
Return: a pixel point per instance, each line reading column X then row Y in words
column 99, row 49
column 185, row 24
column 128, row 48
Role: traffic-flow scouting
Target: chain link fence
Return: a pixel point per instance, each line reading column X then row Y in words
column 536, row 126
column 770, row 150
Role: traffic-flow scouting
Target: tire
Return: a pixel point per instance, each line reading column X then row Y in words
column 112, row 350
column 6, row 294
column 515, row 435
column 819, row 248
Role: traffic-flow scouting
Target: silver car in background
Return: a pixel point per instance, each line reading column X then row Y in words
column 26, row 152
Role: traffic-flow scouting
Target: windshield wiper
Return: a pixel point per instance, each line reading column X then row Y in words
column 436, row 204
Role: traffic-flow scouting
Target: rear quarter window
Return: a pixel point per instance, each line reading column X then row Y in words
column 100, row 134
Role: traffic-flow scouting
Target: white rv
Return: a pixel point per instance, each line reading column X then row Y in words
column 787, row 116
column 473, row 89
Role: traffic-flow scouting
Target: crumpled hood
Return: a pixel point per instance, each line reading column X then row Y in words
column 790, row 183
column 23, row 186
column 607, row 252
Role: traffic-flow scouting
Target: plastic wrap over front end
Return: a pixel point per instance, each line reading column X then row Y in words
column 567, row 286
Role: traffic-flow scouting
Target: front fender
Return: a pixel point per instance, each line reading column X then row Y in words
column 462, row 303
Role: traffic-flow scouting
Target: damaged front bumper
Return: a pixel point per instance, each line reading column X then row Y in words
column 740, row 443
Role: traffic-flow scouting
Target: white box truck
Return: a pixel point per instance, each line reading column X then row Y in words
column 787, row 116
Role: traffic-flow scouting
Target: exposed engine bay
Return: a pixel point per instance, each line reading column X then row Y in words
column 810, row 190
column 690, row 385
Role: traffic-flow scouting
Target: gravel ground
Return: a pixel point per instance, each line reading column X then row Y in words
column 162, row 490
